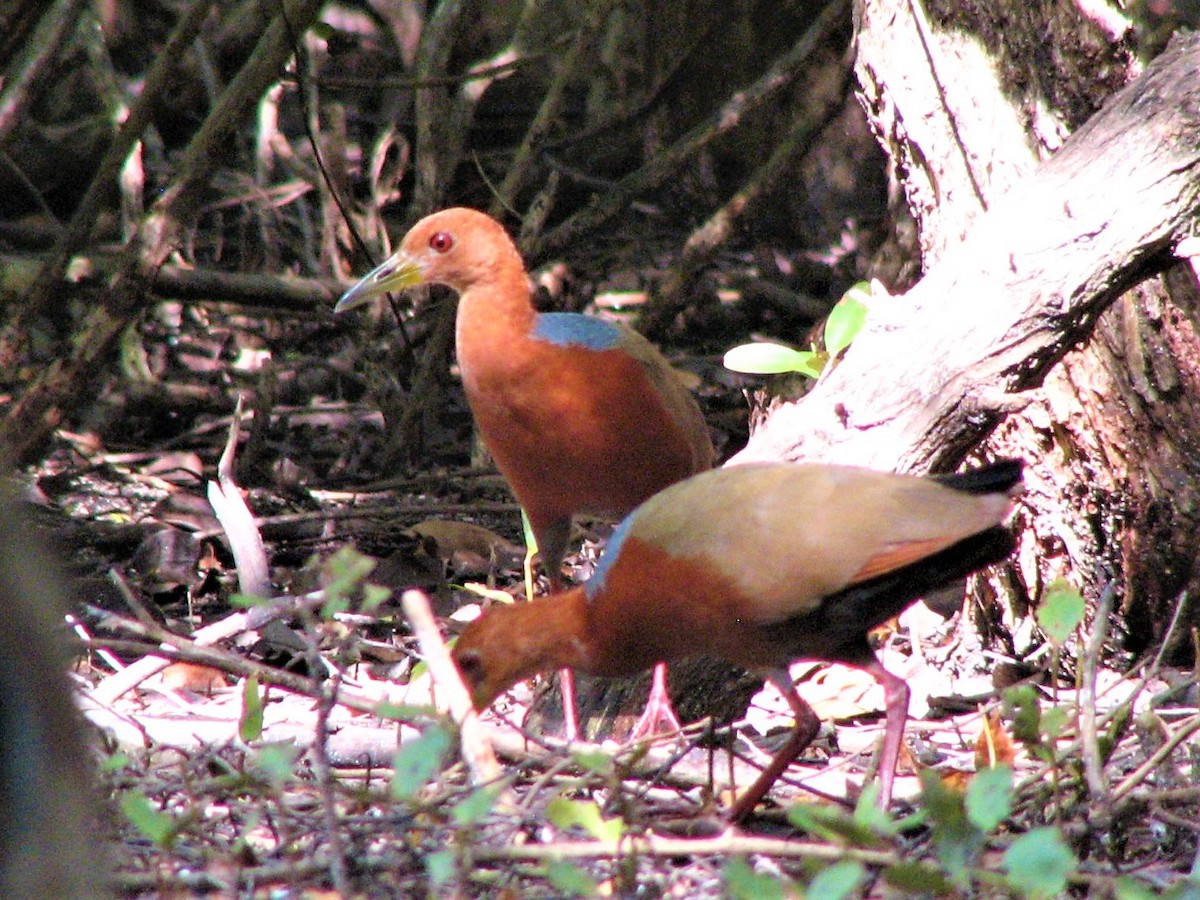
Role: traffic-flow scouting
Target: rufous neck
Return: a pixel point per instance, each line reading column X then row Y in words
column 502, row 302
column 550, row 633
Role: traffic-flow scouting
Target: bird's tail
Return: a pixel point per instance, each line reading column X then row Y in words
column 1002, row 476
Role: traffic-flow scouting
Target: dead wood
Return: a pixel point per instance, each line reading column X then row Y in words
column 52, row 396
column 934, row 371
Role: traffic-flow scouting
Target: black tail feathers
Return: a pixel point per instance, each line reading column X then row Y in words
column 994, row 478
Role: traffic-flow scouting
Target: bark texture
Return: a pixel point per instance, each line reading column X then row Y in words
column 1024, row 263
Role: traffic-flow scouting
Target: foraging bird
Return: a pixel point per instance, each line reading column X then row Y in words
column 760, row 565
column 581, row 415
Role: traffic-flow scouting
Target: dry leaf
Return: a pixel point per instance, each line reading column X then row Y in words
column 198, row 679
column 994, row 747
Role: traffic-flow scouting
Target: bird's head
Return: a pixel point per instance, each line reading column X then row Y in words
column 455, row 247
column 488, row 660
column 513, row 642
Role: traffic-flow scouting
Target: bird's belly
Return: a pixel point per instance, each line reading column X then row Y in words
column 578, row 432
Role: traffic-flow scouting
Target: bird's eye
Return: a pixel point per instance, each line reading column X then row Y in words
column 441, row 242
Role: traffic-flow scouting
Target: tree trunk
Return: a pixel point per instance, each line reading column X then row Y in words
column 1023, row 261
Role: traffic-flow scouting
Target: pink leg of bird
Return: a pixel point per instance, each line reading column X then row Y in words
column 807, row 725
column 895, row 705
column 566, row 688
column 659, row 716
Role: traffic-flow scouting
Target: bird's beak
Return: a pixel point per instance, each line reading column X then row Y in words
column 399, row 271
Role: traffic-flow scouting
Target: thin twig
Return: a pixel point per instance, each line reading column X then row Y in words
column 1093, row 767
column 1185, row 730
column 477, row 751
column 568, row 71
column 604, row 206
column 323, row 771
column 703, row 243
column 730, row 843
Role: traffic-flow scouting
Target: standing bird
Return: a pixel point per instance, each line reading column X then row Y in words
column 581, row 415
column 759, row 565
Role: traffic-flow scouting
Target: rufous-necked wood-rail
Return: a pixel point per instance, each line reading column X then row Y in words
column 581, row 415
column 760, row 565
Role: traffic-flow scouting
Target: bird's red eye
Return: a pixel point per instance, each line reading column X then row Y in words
column 441, row 242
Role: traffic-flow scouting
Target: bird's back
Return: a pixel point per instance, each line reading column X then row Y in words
column 765, row 563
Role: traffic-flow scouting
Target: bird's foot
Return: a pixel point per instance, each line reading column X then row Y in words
column 659, row 716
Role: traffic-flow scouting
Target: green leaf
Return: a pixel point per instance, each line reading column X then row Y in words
column 156, row 825
column 439, row 866
column 247, row 601
column 988, row 799
column 596, row 761
column 570, row 879
column 865, row 291
column 346, row 571
column 832, row 823
column 564, row 814
column 956, row 842
column 250, row 725
column 115, row 762
column 868, row 815
column 1022, row 705
column 403, row 712
column 527, row 531
column 276, row 761
column 837, row 881
column 417, row 761
column 1039, row 862
column 374, row 596
column 475, row 807
column 917, row 878
column 845, row 321
column 1128, row 888
column 1055, row 721
column 743, row 883
column 1060, row 611
column 764, row 358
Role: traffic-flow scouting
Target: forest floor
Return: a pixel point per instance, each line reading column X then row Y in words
column 234, row 771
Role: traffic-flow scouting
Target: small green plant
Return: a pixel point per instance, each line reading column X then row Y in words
column 347, row 572
column 564, row 813
column 250, row 724
column 743, row 883
column 1060, row 612
column 843, row 325
column 962, row 826
column 417, row 761
column 158, row 827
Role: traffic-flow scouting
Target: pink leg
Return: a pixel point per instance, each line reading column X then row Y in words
column 807, row 725
column 895, row 704
column 566, row 687
column 659, row 717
